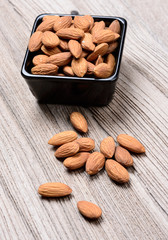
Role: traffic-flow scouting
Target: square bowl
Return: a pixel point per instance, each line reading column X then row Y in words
column 86, row 91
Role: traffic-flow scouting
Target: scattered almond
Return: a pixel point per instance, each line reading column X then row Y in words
column 95, row 163
column 123, row 156
column 116, row 171
column 44, row 69
column 54, row 189
column 79, row 66
column 62, row 138
column 107, row 147
column 89, row 210
column 39, row 59
column 67, row 150
column 85, row 144
column 76, row 161
column 130, row 143
column 35, row 41
column 75, row 48
column 79, row 122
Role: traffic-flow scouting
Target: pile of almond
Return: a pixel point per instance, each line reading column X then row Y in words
column 74, row 47
column 78, row 152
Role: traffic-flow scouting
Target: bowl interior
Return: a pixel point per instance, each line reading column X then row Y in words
column 27, row 63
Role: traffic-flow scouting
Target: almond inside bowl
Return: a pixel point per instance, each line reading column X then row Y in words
column 74, row 59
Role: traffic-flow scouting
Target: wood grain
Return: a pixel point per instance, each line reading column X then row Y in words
column 134, row 211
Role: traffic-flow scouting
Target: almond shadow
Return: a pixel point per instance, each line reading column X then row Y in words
column 95, row 221
column 121, row 185
column 57, row 199
column 75, row 171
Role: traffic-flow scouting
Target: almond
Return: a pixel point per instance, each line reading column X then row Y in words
column 68, row 71
column 39, row 59
column 130, row 143
column 61, row 74
column 75, row 48
column 107, row 147
column 60, row 59
column 89, row 210
column 111, row 62
column 72, row 26
column 35, row 41
column 82, row 22
column 79, row 122
column 62, row 22
column 101, row 50
column 84, row 54
column 97, row 27
column 46, row 25
column 91, row 21
column 112, row 47
column 123, row 156
column 116, row 171
column 53, row 17
column 105, row 36
column 115, row 26
column 62, row 138
column 54, row 189
column 87, row 42
column 67, row 150
column 79, row 66
column 50, row 51
column 64, row 45
column 76, row 161
column 90, row 69
column 70, row 33
column 44, row 69
column 99, row 60
column 85, row 144
column 50, row 39
column 102, row 71
column 95, row 163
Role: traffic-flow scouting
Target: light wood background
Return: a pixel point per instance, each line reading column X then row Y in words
column 134, row 211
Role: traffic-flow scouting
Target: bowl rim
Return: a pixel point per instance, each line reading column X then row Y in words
column 114, row 77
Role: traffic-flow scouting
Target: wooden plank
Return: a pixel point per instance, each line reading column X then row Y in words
column 134, row 211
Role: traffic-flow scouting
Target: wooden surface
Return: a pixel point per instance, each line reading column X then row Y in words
column 134, row 211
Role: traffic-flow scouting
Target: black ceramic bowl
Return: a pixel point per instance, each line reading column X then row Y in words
column 85, row 91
